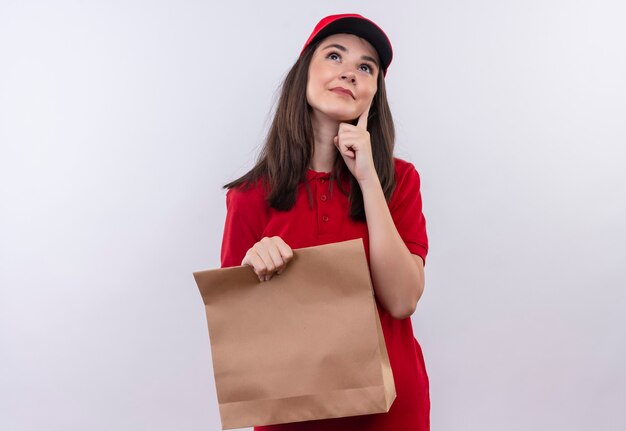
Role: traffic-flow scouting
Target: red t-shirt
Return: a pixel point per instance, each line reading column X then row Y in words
column 249, row 218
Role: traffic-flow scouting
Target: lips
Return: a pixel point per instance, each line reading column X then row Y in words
column 343, row 91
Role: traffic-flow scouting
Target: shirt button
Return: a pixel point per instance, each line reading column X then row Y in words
column 322, row 180
column 325, row 218
column 323, row 198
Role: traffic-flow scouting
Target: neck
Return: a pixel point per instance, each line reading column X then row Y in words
column 324, row 152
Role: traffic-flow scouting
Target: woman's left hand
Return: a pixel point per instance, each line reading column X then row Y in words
column 354, row 145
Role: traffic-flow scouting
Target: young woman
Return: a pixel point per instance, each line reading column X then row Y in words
column 327, row 174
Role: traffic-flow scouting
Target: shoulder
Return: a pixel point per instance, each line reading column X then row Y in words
column 250, row 196
column 406, row 173
column 407, row 184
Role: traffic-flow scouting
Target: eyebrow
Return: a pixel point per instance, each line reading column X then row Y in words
column 344, row 49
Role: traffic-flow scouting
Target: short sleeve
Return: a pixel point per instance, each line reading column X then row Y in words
column 246, row 215
column 406, row 209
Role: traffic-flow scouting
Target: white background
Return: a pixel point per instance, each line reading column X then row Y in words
column 120, row 121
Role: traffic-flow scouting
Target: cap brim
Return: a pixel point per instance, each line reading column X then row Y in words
column 364, row 28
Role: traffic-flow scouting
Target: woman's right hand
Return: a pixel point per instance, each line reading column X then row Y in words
column 268, row 256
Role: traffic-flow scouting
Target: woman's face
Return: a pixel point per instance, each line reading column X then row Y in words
column 342, row 61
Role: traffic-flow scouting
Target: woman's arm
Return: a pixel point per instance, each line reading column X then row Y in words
column 397, row 274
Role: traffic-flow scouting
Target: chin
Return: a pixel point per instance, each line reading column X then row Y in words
column 334, row 112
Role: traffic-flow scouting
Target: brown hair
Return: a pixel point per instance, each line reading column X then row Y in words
column 286, row 154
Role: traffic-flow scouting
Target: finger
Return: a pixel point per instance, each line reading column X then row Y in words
column 348, row 147
column 276, row 257
column 362, row 123
column 346, row 128
column 351, row 132
column 253, row 260
column 286, row 252
column 268, row 262
column 346, row 151
column 249, row 258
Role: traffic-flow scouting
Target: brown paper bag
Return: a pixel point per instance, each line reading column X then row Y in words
column 305, row 345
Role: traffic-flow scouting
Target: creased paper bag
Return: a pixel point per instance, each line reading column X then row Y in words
column 305, row 345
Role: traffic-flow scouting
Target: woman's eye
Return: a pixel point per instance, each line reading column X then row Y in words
column 366, row 68
column 334, row 55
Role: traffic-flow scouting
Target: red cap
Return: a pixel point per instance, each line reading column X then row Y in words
column 358, row 25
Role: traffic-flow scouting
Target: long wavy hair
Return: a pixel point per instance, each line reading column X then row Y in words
column 286, row 155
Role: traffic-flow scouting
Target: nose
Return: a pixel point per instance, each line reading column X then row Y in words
column 350, row 76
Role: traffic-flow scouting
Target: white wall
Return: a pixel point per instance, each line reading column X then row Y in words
column 119, row 122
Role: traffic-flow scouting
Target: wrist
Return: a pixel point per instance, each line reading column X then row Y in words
column 370, row 182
